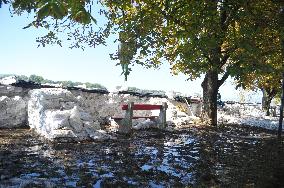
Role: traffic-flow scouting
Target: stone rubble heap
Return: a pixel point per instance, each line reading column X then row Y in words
column 76, row 114
column 252, row 115
column 61, row 114
column 55, row 114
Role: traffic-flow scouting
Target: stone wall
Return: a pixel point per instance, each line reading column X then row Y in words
column 58, row 114
column 61, row 113
column 11, row 91
column 102, row 107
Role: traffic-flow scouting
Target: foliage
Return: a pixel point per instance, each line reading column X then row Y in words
column 5, row 75
column 78, row 84
column 94, row 85
column 36, row 79
column 184, row 36
column 19, row 77
column 194, row 36
column 22, row 77
column 3, row 2
column 134, row 89
column 218, row 38
column 40, row 80
column 145, row 91
column 268, row 38
column 68, row 21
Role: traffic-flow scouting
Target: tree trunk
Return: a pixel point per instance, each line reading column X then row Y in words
column 267, row 103
column 281, row 106
column 268, row 95
column 210, row 91
column 264, row 98
column 281, row 26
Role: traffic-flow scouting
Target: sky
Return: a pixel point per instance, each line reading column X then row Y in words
column 20, row 54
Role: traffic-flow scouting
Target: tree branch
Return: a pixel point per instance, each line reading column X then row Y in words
column 226, row 55
column 169, row 16
column 223, row 79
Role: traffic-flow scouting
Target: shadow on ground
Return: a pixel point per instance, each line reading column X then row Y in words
column 227, row 156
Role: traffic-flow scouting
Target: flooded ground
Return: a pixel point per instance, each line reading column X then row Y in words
column 228, row 156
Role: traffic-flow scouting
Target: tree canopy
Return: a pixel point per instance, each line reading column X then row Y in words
column 215, row 38
column 69, row 22
column 218, row 38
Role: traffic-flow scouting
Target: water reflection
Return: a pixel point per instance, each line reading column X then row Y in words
column 226, row 156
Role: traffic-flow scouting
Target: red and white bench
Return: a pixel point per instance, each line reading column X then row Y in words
column 125, row 123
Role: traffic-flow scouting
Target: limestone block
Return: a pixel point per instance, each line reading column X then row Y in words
column 13, row 112
column 61, row 133
column 67, row 105
column 8, row 80
column 58, row 114
column 49, row 95
column 91, row 125
column 145, row 124
column 85, row 116
column 75, row 120
column 196, row 109
column 7, row 90
column 101, row 135
column 3, row 102
column 56, row 119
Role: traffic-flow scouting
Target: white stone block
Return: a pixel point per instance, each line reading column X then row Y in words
column 13, row 112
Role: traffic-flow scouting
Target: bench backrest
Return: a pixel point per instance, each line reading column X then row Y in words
column 143, row 107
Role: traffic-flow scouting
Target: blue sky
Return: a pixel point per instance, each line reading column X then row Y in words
column 19, row 54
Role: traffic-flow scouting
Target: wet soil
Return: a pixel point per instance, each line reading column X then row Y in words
column 227, row 156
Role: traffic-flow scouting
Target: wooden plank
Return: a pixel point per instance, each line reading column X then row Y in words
column 135, row 117
column 117, row 118
column 143, row 107
column 147, row 117
column 195, row 101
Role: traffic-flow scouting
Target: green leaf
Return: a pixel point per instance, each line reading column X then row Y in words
column 43, row 12
column 58, row 11
column 28, row 26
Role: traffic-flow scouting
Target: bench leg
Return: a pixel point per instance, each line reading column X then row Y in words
column 162, row 116
column 126, row 123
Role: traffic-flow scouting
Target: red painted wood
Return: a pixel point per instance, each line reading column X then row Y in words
column 143, row 107
column 195, row 100
column 147, row 117
column 117, row 118
column 136, row 117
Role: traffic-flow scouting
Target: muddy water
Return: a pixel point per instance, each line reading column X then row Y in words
column 228, row 156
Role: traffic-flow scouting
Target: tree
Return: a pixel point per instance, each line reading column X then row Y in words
column 216, row 38
column 67, row 83
column 280, row 25
column 94, row 86
column 22, row 77
column 268, row 80
column 269, row 84
column 70, row 22
column 36, row 79
column 268, row 38
column 270, row 88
